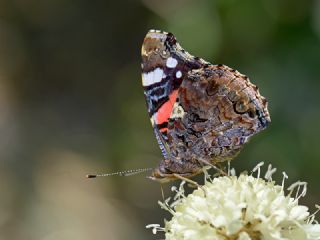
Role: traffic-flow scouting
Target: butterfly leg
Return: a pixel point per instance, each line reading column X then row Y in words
column 178, row 176
column 162, row 193
column 214, row 166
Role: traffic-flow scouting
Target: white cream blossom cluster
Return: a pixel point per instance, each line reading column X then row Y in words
column 244, row 208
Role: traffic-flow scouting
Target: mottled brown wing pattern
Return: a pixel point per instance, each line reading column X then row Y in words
column 213, row 110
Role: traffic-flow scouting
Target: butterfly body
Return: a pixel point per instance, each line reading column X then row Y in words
column 201, row 113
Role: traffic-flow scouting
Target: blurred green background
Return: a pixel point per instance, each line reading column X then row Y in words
column 71, row 103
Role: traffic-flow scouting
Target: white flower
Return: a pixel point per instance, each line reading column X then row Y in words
column 243, row 208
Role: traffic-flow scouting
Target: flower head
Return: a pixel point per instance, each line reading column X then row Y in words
column 244, row 207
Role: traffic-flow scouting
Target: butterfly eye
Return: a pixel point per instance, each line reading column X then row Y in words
column 240, row 107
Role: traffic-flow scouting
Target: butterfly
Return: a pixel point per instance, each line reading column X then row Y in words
column 201, row 113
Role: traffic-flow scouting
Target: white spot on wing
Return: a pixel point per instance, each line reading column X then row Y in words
column 152, row 119
column 177, row 111
column 178, row 74
column 152, row 77
column 171, row 62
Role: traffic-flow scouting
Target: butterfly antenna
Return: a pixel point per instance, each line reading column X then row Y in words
column 122, row 173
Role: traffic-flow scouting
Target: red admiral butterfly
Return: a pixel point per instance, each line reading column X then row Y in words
column 201, row 113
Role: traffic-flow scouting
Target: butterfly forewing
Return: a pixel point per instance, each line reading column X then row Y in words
column 164, row 66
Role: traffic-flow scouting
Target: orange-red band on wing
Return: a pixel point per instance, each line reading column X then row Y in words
column 165, row 110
